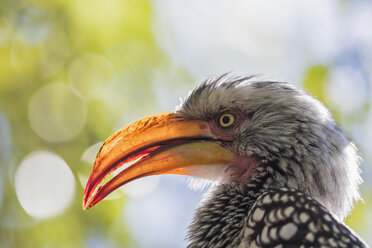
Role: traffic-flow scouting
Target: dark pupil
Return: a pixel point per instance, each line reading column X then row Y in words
column 226, row 120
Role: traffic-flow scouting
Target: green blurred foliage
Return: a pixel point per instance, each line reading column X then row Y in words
column 42, row 42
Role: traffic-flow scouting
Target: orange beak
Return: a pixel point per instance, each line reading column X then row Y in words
column 159, row 144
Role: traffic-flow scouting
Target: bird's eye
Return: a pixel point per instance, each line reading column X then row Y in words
column 226, row 120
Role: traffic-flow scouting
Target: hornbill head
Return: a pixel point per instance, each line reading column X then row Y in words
column 236, row 129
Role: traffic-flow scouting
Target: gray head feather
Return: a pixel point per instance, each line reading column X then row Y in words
column 289, row 127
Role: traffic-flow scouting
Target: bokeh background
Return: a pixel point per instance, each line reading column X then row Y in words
column 72, row 72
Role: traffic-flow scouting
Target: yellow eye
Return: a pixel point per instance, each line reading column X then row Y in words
column 226, row 120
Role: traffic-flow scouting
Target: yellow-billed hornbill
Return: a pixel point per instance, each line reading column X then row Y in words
column 286, row 173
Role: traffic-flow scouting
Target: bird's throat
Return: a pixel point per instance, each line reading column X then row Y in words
column 242, row 168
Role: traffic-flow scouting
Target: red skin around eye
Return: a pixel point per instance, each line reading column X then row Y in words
column 227, row 134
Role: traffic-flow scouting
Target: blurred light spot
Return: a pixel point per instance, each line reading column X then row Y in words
column 141, row 187
column 160, row 218
column 56, row 113
column 44, row 184
column 39, row 44
column 91, row 74
column 347, row 90
column 91, row 152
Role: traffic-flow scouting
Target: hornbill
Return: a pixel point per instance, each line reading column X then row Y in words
column 285, row 173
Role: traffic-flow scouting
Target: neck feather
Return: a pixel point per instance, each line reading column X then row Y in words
column 219, row 220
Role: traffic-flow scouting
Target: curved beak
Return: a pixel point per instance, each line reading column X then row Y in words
column 159, row 144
